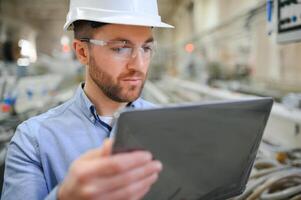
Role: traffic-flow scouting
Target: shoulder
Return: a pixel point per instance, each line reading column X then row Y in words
column 31, row 128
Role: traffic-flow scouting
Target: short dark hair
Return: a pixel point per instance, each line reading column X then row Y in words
column 85, row 28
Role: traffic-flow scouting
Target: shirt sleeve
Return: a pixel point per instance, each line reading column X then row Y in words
column 23, row 176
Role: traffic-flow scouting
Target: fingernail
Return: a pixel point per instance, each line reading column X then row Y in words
column 159, row 165
column 148, row 156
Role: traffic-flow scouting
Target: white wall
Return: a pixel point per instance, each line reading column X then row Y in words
column 223, row 33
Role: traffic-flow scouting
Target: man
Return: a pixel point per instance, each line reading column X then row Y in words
column 64, row 154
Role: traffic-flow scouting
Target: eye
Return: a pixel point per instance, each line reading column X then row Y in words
column 148, row 48
column 120, row 49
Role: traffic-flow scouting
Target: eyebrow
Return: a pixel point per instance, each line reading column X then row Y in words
column 151, row 39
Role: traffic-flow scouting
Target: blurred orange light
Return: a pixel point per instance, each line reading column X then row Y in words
column 189, row 48
column 66, row 48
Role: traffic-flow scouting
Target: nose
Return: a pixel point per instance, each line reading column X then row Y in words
column 136, row 61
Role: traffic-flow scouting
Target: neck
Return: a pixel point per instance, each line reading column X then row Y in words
column 104, row 105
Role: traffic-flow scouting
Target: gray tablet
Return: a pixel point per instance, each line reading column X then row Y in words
column 207, row 150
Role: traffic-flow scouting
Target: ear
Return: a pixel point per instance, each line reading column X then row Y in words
column 81, row 51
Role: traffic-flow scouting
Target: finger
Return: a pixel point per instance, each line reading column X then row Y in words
column 123, row 162
column 141, row 194
column 110, row 166
column 131, row 191
column 129, row 177
column 89, row 188
column 107, row 148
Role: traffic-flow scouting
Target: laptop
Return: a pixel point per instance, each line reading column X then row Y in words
column 207, row 150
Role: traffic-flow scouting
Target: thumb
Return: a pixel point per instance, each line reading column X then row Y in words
column 106, row 149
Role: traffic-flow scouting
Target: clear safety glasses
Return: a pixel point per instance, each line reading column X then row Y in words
column 124, row 50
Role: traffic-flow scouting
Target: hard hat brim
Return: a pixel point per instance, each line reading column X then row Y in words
column 115, row 18
column 68, row 27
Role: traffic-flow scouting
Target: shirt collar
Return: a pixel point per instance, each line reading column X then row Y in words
column 88, row 107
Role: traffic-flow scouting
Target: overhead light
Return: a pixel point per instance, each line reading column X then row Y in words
column 24, row 62
column 28, row 50
column 65, row 40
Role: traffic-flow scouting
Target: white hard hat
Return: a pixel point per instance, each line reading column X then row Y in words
column 128, row 12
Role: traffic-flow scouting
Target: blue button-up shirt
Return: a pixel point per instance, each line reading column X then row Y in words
column 43, row 147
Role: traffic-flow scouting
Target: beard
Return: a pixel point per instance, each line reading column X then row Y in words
column 115, row 90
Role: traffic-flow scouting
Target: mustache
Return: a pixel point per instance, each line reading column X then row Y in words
column 136, row 74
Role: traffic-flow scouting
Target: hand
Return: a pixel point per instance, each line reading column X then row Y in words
column 101, row 176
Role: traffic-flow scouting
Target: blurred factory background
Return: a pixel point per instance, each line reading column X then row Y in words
column 220, row 49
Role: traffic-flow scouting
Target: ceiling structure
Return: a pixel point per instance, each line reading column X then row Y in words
column 46, row 18
column 43, row 17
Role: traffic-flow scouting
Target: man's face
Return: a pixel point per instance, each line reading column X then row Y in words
column 119, row 77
